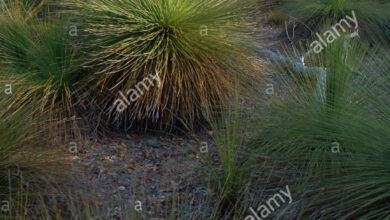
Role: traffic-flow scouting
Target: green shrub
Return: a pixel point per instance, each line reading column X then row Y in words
column 196, row 46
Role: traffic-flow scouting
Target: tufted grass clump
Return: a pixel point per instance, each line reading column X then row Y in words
column 36, row 52
column 197, row 47
column 333, row 135
column 30, row 157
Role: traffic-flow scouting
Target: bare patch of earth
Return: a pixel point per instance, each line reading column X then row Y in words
column 152, row 170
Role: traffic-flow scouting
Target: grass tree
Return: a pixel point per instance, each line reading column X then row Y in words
column 197, row 47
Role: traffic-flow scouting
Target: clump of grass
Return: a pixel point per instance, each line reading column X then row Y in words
column 27, row 163
column 36, row 51
column 228, row 135
column 336, row 137
column 196, row 46
column 239, row 173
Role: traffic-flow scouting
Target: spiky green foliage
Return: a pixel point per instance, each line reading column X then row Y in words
column 36, row 51
column 229, row 136
column 196, row 46
column 372, row 15
column 336, row 139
